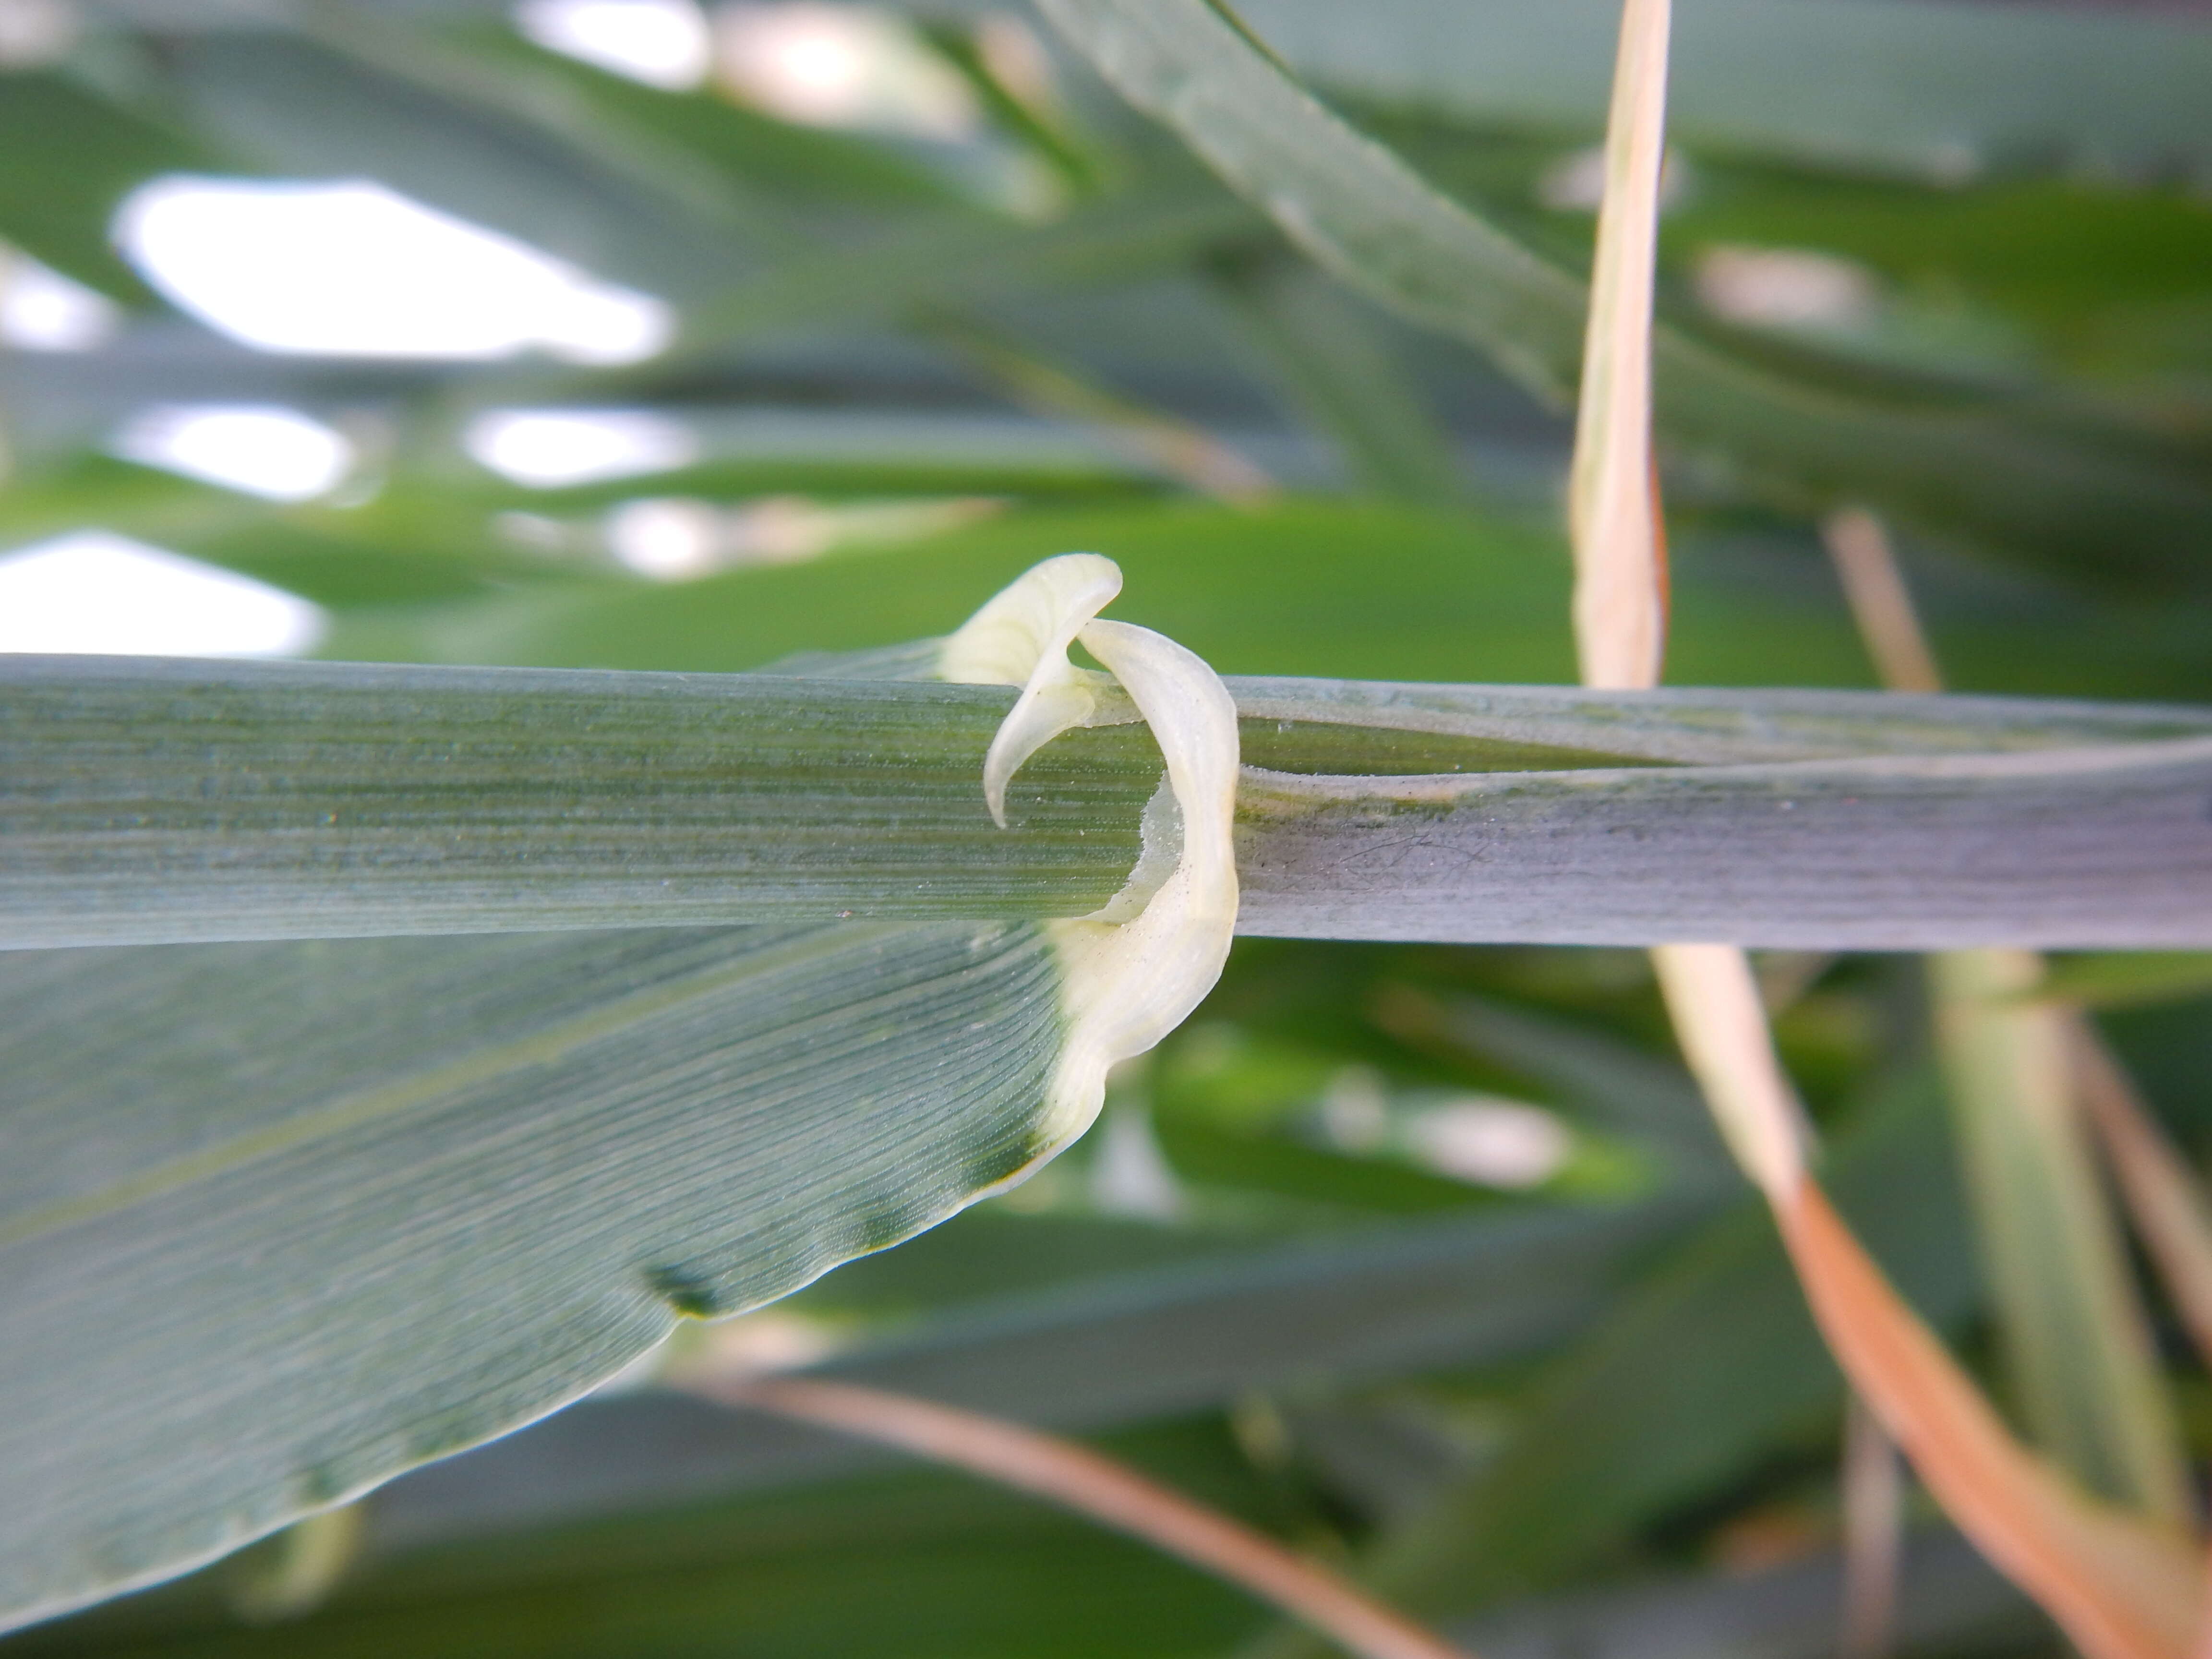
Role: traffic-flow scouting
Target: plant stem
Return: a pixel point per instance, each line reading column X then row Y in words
column 1620, row 560
column 1095, row 1487
column 1881, row 603
column 2075, row 1340
column 1874, row 1535
column 1182, row 451
column 2164, row 1196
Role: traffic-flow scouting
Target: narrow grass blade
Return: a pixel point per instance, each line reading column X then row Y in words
column 1111, row 1493
column 1880, row 604
column 2077, row 1343
column 970, row 261
column 2164, row 1197
column 1174, row 447
column 1342, row 197
column 1872, row 1492
column 1613, row 510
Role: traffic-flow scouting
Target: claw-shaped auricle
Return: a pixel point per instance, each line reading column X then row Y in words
column 1124, row 984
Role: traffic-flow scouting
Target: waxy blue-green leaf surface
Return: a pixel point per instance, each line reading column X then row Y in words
column 279, row 1221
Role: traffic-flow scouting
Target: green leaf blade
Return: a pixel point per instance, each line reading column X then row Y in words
column 295, row 1217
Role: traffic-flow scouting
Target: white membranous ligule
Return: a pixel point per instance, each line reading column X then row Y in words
column 1124, row 984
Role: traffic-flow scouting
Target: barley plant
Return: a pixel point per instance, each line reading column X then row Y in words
column 1125, row 831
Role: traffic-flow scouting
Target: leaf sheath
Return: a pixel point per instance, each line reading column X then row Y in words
column 149, row 801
